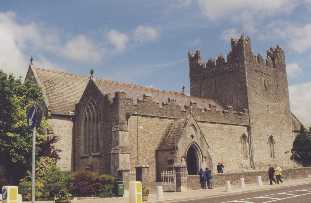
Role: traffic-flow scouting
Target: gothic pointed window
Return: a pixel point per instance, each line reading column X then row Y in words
column 244, row 147
column 271, row 143
column 84, row 133
column 90, row 129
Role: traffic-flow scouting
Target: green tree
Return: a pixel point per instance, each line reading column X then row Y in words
column 301, row 151
column 15, row 136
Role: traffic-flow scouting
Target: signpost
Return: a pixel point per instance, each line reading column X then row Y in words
column 34, row 118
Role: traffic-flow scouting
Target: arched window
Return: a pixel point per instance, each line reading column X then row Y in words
column 90, row 129
column 271, row 143
column 244, row 146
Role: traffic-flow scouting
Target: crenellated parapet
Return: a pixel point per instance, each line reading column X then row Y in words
column 241, row 53
column 147, row 106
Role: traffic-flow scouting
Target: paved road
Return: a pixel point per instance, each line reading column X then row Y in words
column 293, row 194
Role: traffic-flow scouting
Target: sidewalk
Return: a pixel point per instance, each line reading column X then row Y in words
column 221, row 191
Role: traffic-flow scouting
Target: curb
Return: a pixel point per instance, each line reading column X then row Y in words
column 203, row 197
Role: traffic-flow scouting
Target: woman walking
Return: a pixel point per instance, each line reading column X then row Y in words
column 278, row 175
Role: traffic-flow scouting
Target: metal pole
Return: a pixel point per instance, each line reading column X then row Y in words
column 33, row 176
column 137, row 149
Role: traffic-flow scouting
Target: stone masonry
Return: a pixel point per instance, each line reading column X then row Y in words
column 237, row 113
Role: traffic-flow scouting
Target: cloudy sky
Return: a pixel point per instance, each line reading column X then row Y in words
column 146, row 41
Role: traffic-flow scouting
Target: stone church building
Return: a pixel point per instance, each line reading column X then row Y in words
column 237, row 113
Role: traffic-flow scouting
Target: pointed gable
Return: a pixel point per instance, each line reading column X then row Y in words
column 62, row 90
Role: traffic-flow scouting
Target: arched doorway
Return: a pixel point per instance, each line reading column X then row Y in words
column 192, row 160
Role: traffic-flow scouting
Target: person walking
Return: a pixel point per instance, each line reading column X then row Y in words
column 271, row 173
column 278, row 175
column 202, row 181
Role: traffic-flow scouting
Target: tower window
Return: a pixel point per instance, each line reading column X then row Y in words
column 244, row 147
column 271, row 143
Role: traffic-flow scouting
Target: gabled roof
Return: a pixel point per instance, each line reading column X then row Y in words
column 63, row 90
column 176, row 130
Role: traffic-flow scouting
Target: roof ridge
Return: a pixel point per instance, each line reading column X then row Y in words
column 130, row 84
column 58, row 71
column 144, row 89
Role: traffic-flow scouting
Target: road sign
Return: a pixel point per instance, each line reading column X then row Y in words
column 34, row 116
column 31, row 117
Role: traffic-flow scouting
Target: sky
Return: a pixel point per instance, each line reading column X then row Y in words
column 146, row 41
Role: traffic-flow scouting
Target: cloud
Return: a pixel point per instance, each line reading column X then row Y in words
column 145, row 33
column 18, row 40
column 300, row 98
column 12, row 58
column 293, row 70
column 239, row 8
column 82, row 49
column 299, row 37
column 117, row 39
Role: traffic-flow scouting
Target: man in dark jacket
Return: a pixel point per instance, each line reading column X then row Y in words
column 201, row 175
column 206, row 178
column 271, row 172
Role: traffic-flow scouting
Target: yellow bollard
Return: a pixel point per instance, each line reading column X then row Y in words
column 136, row 192
column 9, row 194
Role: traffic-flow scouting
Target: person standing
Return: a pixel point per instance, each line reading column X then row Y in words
column 206, row 178
column 201, row 175
column 222, row 167
column 271, row 172
column 278, row 175
column 210, row 179
column 218, row 168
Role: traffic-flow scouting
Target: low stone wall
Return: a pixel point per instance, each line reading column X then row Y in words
column 249, row 177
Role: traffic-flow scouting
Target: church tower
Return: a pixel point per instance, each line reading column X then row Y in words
column 247, row 81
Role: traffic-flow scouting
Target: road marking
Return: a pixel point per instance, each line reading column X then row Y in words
column 266, row 197
column 272, row 199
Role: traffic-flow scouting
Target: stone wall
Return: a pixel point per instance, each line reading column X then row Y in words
column 221, row 79
column 150, row 133
column 269, row 109
column 62, row 127
column 152, row 129
column 249, row 177
column 225, row 145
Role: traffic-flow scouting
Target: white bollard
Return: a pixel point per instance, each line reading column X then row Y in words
column 242, row 183
column 259, row 181
column 228, row 186
column 160, row 192
column 19, row 198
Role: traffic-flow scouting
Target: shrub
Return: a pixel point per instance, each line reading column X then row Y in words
column 107, row 185
column 51, row 182
column 87, row 183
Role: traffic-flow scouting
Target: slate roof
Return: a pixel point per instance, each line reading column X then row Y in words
column 63, row 90
column 173, row 134
column 136, row 92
